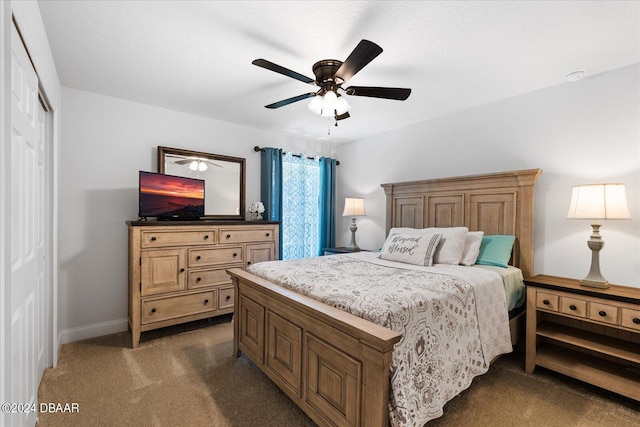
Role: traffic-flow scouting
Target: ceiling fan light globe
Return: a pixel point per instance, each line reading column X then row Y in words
column 342, row 106
column 316, row 104
column 328, row 112
column 202, row 166
column 330, row 99
column 194, row 165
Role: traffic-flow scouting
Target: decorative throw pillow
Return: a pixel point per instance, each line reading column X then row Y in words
column 411, row 248
column 471, row 247
column 496, row 250
column 451, row 245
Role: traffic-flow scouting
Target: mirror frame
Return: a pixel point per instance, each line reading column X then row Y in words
column 162, row 151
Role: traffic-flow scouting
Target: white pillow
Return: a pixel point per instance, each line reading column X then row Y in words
column 411, row 248
column 451, row 245
column 471, row 247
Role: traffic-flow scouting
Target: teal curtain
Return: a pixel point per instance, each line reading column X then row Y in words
column 327, row 209
column 271, row 186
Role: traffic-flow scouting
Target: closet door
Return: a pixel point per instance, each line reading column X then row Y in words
column 26, row 200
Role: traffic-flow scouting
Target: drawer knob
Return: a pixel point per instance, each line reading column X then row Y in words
column 228, row 236
column 573, row 307
column 229, row 297
column 235, row 255
column 198, row 258
column 154, row 238
column 206, row 236
column 248, row 262
column 198, row 279
column 153, row 310
column 546, row 302
column 602, row 313
column 206, row 301
column 268, row 234
column 182, row 270
column 636, row 320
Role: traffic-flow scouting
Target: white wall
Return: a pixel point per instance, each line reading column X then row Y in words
column 105, row 142
column 577, row 133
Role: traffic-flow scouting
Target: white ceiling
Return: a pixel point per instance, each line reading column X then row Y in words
column 195, row 56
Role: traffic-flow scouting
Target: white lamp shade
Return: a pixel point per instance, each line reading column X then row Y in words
column 353, row 206
column 202, row 166
column 598, row 201
column 194, row 165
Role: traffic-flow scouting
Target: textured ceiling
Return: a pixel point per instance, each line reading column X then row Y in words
column 195, row 56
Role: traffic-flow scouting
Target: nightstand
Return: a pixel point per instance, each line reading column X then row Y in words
column 586, row 333
column 340, row 250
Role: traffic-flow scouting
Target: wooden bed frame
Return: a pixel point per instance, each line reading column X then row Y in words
column 335, row 366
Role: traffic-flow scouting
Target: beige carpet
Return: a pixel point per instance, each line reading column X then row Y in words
column 187, row 376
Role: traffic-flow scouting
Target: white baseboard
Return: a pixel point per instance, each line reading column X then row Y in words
column 92, row 331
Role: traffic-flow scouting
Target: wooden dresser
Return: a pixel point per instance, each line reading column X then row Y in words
column 177, row 269
column 589, row 334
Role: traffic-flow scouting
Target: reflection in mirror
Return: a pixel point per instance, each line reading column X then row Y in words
column 223, row 175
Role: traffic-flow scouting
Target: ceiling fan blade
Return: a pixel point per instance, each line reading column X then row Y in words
column 343, row 116
column 183, row 162
column 290, row 100
column 280, row 69
column 213, row 164
column 397, row 93
column 364, row 53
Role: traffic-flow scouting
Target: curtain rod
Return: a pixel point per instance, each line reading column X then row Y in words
column 256, row 149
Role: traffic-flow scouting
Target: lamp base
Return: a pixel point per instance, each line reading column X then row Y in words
column 594, row 284
column 594, row 279
column 353, row 246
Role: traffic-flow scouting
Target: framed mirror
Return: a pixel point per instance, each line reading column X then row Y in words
column 224, row 179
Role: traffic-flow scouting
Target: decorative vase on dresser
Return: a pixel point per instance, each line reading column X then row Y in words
column 177, row 269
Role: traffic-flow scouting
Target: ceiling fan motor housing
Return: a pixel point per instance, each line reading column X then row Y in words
column 324, row 71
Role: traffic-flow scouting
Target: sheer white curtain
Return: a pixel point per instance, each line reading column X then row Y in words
column 300, row 207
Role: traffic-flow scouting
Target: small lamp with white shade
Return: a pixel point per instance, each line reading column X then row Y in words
column 353, row 207
column 596, row 202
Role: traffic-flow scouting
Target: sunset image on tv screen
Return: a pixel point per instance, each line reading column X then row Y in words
column 170, row 196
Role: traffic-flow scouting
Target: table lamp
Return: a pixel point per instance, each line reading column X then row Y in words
column 596, row 202
column 353, row 207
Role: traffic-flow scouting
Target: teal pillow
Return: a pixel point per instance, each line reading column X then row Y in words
column 496, row 250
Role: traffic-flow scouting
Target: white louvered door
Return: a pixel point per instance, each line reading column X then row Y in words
column 27, row 203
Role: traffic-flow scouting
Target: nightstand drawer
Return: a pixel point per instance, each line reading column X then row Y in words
column 547, row 301
column 630, row 318
column 574, row 307
column 603, row 313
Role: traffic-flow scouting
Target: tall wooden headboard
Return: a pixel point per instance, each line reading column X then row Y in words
column 498, row 203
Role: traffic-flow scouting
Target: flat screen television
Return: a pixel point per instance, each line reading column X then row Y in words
column 169, row 197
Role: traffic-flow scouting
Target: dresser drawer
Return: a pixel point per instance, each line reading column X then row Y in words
column 210, row 277
column 573, row 306
column 183, row 305
column 266, row 234
column 205, row 257
column 603, row 313
column 225, row 298
column 630, row 318
column 157, row 239
column 547, row 301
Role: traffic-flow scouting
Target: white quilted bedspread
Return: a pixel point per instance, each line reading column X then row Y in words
column 453, row 320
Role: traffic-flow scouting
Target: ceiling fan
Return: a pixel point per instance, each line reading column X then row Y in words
column 196, row 163
column 330, row 75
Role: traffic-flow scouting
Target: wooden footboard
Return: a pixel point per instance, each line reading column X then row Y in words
column 333, row 365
